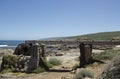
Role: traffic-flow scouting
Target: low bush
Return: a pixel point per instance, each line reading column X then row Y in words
column 44, row 64
column 84, row 73
column 107, row 55
column 49, row 65
column 75, row 66
column 38, row 70
column 8, row 61
column 54, row 62
column 5, row 70
column 78, row 76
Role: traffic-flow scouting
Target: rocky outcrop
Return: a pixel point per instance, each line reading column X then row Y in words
column 112, row 71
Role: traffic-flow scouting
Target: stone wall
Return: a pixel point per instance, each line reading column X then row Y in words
column 26, row 57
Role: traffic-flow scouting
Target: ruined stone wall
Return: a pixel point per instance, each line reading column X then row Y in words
column 85, row 54
column 34, row 60
column 28, row 57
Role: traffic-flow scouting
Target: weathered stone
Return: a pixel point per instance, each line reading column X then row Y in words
column 27, row 57
column 8, row 61
column 86, row 54
column 112, row 71
column 43, row 50
column 23, row 49
column 15, row 62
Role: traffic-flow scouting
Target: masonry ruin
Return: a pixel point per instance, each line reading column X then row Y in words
column 86, row 50
column 26, row 57
column 85, row 54
column 31, row 55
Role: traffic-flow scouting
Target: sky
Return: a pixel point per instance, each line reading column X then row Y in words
column 37, row 19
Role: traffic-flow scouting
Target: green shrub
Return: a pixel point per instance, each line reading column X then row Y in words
column 87, row 73
column 54, row 61
column 107, row 55
column 78, row 76
column 49, row 65
column 38, row 70
column 75, row 66
column 5, row 70
column 44, row 64
column 8, row 61
column 84, row 73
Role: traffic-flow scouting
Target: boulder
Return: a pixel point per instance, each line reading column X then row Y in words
column 112, row 71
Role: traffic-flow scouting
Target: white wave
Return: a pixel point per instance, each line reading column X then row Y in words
column 3, row 45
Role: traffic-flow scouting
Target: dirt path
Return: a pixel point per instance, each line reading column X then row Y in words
column 68, row 61
column 47, row 75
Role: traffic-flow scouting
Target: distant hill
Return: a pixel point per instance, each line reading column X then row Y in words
column 94, row 36
column 98, row 36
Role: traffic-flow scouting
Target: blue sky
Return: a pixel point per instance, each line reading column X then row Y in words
column 35, row 19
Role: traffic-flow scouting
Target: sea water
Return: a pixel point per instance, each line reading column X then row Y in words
column 10, row 43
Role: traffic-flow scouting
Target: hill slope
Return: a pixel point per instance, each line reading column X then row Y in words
column 94, row 36
column 98, row 36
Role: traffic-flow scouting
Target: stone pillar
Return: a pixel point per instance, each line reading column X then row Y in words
column 85, row 54
column 43, row 61
column 34, row 60
column 43, row 51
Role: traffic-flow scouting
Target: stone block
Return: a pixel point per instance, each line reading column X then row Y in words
column 85, row 54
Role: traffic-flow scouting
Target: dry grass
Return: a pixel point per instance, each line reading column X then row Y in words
column 69, row 60
column 96, row 68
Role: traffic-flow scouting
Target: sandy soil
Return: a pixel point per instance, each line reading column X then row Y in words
column 69, row 59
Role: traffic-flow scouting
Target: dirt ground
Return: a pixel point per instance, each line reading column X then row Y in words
column 69, row 59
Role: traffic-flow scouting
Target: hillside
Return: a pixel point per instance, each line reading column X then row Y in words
column 98, row 36
column 94, row 36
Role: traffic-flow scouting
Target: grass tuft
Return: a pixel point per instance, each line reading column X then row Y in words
column 84, row 73
column 107, row 55
column 38, row 70
column 54, row 61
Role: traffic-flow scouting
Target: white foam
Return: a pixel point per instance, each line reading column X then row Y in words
column 3, row 45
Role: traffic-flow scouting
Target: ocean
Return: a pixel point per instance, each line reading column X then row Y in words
column 10, row 43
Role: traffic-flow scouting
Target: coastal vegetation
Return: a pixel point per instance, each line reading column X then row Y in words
column 106, row 55
column 70, row 57
column 54, row 61
column 84, row 73
column 115, row 35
